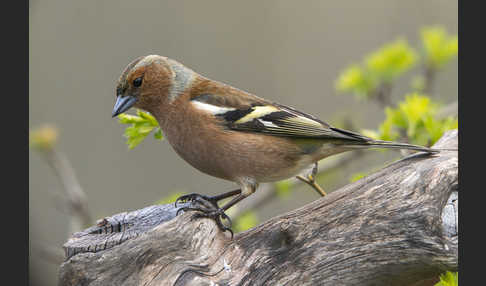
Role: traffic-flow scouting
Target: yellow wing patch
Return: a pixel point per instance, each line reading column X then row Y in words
column 258, row 112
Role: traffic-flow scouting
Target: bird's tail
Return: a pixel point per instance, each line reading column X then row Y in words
column 359, row 141
column 398, row 145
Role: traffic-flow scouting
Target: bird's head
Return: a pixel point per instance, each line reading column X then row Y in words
column 149, row 81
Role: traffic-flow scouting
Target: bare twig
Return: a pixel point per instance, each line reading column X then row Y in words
column 429, row 75
column 383, row 95
column 75, row 196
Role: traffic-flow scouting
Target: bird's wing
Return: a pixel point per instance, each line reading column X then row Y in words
column 249, row 113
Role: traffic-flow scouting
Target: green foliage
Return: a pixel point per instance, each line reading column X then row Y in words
column 385, row 65
column 391, row 60
column 140, row 126
column 436, row 128
column 416, row 118
column 355, row 79
column 246, row 221
column 379, row 67
column 439, row 47
column 448, row 279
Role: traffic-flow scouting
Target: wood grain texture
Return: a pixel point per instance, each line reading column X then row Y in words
column 397, row 226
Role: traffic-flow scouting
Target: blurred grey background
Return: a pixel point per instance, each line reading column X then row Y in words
column 286, row 51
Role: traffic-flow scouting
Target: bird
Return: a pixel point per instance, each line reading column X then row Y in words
column 231, row 134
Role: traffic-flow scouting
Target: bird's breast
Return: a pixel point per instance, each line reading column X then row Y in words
column 231, row 155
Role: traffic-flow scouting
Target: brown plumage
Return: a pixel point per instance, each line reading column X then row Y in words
column 231, row 134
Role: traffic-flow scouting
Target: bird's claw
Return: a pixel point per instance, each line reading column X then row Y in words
column 185, row 209
column 217, row 216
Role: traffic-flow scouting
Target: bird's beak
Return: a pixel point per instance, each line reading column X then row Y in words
column 122, row 104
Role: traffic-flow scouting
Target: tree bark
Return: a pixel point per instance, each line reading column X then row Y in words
column 397, row 226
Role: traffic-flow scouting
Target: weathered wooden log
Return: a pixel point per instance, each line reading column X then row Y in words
column 397, row 226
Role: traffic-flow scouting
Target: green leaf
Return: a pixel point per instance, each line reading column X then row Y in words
column 354, row 79
column 134, row 141
column 140, row 126
column 129, row 119
column 144, row 129
column 396, row 117
column 135, row 135
column 448, row 279
column 433, row 127
column 415, row 108
column 391, row 60
column 131, row 131
column 415, row 117
column 148, row 118
column 387, row 131
column 436, row 128
column 379, row 67
column 439, row 47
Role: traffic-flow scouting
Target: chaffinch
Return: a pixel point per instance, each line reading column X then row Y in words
column 232, row 134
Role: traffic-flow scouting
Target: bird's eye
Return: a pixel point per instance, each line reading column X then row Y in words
column 137, row 82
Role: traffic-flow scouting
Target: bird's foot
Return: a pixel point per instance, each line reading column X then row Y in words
column 309, row 177
column 310, row 180
column 207, row 208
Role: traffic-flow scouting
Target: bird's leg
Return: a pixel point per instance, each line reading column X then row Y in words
column 201, row 199
column 310, row 179
column 209, row 203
